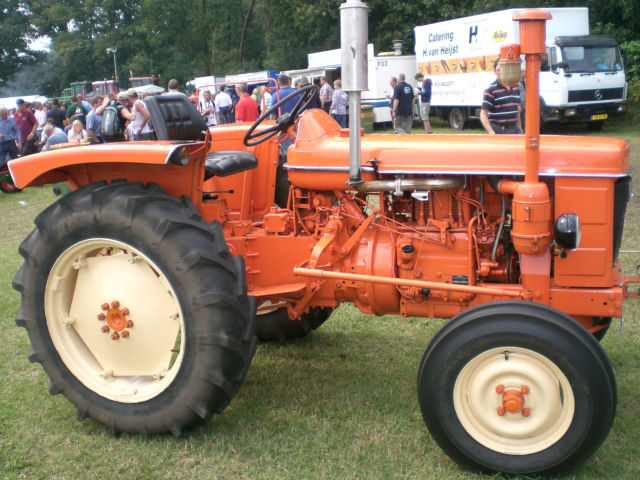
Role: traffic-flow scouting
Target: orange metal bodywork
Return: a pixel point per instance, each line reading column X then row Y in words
column 439, row 224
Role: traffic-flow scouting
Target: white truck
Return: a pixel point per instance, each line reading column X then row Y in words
column 381, row 68
column 582, row 80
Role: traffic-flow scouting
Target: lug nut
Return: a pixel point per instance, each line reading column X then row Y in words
column 500, row 389
column 125, row 311
column 526, row 412
column 105, row 328
column 524, row 389
column 115, row 304
column 101, row 316
column 105, row 306
column 125, row 334
column 115, row 336
column 500, row 411
column 129, row 323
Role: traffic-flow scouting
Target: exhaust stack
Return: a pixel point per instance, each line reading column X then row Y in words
column 354, row 26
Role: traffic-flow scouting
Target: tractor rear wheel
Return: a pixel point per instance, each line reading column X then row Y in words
column 135, row 308
column 518, row 388
column 277, row 326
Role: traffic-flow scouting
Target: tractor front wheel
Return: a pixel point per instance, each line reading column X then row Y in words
column 516, row 387
column 135, row 308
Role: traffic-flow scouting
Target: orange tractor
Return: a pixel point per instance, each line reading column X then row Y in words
column 146, row 289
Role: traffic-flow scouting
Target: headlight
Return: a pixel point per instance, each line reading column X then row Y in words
column 566, row 231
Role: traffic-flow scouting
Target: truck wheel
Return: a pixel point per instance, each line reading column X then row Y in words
column 135, row 308
column 456, row 119
column 276, row 325
column 518, row 388
column 595, row 126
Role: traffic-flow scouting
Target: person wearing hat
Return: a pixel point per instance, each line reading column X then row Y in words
column 27, row 124
column 140, row 124
column 52, row 135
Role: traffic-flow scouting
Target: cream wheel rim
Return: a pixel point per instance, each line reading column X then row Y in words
column 549, row 400
column 114, row 320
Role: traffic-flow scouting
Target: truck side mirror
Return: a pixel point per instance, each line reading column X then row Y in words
column 544, row 64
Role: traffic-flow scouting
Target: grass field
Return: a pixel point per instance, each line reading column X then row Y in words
column 339, row 404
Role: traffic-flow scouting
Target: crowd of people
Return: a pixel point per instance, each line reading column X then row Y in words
column 29, row 128
column 502, row 109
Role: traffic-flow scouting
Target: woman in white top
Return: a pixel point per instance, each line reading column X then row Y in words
column 140, row 125
column 77, row 134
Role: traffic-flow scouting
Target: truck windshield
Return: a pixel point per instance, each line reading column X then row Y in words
column 591, row 59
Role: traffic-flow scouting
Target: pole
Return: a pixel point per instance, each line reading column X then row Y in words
column 354, row 27
column 115, row 65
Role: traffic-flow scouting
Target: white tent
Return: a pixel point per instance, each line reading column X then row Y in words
column 9, row 102
column 149, row 89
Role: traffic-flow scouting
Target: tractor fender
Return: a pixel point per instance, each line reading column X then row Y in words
column 79, row 165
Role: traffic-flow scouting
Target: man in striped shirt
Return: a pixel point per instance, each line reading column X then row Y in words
column 501, row 107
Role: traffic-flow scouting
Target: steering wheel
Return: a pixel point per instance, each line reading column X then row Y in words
column 286, row 120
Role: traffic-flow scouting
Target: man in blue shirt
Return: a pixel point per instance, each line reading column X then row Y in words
column 94, row 121
column 423, row 90
column 52, row 135
column 284, row 82
column 402, row 109
column 9, row 137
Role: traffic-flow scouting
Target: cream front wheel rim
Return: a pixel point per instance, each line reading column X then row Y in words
column 549, row 400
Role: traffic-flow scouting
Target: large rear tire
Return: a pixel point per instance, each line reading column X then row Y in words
column 135, row 308
column 516, row 387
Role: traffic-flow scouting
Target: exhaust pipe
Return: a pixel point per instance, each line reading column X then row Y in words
column 354, row 26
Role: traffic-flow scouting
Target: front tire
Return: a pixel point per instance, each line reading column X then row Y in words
column 135, row 308
column 516, row 387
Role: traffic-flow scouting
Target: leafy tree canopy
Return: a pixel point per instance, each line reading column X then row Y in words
column 183, row 39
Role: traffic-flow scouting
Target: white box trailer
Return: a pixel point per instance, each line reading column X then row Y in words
column 582, row 80
column 381, row 68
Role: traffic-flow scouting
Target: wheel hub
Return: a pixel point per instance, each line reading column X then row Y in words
column 512, row 401
column 116, row 319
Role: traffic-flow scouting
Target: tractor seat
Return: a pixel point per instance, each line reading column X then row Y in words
column 228, row 162
column 174, row 117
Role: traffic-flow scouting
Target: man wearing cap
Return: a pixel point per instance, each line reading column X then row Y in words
column 52, row 135
column 9, row 136
column 27, row 124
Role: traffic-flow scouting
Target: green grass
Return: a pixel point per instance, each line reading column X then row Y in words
column 339, row 404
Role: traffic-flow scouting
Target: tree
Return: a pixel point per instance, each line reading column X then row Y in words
column 15, row 30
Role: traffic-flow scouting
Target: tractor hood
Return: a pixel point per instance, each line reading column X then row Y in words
column 320, row 157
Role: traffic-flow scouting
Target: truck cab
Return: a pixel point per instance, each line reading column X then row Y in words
column 582, row 80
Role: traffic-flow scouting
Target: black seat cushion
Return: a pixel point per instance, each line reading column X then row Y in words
column 228, row 162
column 174, row 117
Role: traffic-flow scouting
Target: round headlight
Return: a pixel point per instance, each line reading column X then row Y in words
column 566, row 231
